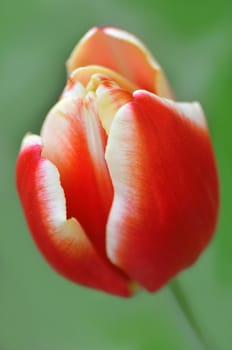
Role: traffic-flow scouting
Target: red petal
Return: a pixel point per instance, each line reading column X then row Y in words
column 74, row 141
column 166, row 189
column 122, row 52
column 62, row 242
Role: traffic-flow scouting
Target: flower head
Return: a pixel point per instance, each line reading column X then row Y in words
column 121, row 186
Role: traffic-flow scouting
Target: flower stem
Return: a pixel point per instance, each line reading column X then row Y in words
column 186, row 317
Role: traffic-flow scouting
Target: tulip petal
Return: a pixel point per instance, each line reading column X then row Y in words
column 74, row 140
column 123, row 53
column 62, row 241
column 165, row 188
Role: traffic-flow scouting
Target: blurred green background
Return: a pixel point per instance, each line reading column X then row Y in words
column 38, row 309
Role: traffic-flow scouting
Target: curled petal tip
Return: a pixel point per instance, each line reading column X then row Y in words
column 30, row 140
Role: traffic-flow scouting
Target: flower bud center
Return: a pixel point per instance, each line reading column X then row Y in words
column 105, row 88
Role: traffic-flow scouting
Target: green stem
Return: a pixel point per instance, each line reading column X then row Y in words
column 185, row 314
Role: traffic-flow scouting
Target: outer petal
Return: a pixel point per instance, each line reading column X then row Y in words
column 63, row 242
column 74, row 141
column 122, row 52
column 166, row 190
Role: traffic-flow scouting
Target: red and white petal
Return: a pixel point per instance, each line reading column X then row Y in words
column 123, row 53
column 165, row 188
column 74, row 141
column 62, row 241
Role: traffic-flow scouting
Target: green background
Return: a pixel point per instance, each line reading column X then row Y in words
column 38, row 309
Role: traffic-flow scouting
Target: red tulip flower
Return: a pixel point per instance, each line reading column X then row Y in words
column 121, row 186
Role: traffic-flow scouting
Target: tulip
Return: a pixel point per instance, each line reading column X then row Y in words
column 121, row 188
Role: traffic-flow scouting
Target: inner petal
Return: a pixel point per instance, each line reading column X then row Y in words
column 92, row 76
column 74, row 140
column 75, row 136
column 109, row 98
